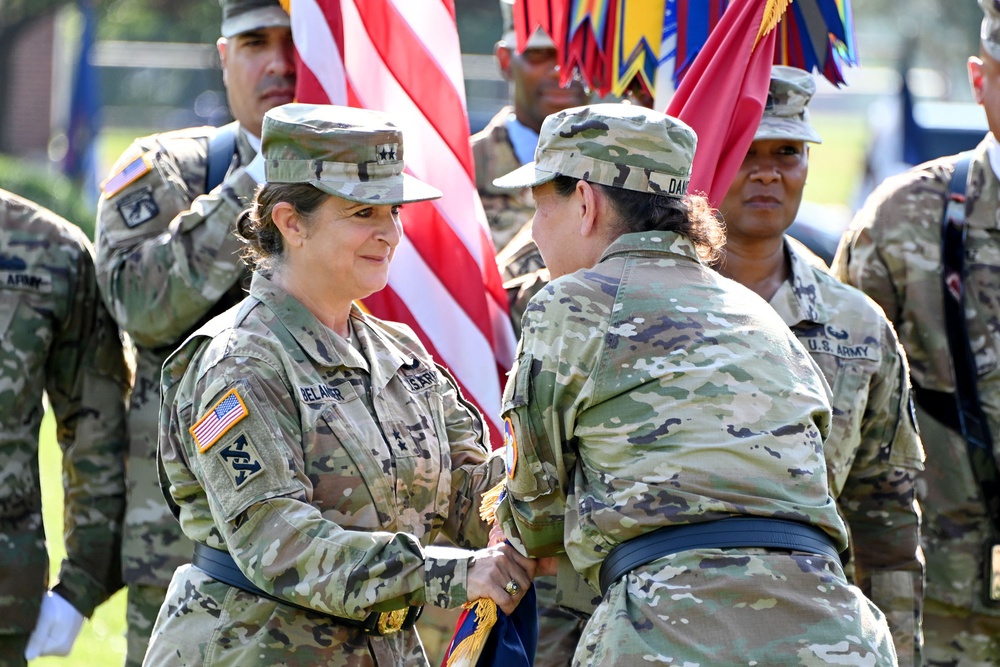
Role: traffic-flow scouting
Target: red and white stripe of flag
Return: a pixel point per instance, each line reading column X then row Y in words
column 403, row 57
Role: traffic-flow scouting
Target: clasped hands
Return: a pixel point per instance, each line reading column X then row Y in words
column 499, row 572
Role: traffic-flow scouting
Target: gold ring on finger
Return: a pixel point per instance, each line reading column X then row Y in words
column 512, row 588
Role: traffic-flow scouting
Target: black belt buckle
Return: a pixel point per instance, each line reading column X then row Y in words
column 991, row 566
column 386, row 623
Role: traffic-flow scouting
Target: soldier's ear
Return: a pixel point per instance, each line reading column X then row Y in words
column 288, row 222
column 503, row 55
column 221, row 44
column 975, row 67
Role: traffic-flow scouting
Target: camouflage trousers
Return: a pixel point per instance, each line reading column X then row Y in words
column 702, row 608
column 140, row 614
column 559, row 629
column 12, row 650
column 955, row 638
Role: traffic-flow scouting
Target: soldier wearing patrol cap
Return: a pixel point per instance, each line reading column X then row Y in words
column 895, row 253
column 663, row 426
column 313, row 452
column 509, row 140
column 873, row 453
column 167, row 261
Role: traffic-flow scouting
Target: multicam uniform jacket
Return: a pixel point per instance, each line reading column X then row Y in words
column 166, row 262
column 893, row 253
column 344, row 464
column 506, row 210
column 873, row 452
column 650, row 391
column 56, row 337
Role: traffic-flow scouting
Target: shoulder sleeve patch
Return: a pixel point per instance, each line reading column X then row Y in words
column 134, row 170
column 510, row 446
column 216, row 422
column 241, row 460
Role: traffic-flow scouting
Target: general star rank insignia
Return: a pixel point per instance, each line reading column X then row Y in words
column 241, row 460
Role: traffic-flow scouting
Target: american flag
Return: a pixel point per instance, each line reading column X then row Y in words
column 229, row 410
column 129, row 173
column 403, row 57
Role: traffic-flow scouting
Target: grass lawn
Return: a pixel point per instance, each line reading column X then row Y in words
column 102, row 640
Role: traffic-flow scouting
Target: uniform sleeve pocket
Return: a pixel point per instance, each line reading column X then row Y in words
column 240, row 457
column 529, row 456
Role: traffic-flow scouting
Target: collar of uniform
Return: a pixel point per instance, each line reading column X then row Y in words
column 665, row 242
column 244, row 146
column 983, row 180
column 799, row 298
column 522, row 138
column 319, row 342
column 384, row 356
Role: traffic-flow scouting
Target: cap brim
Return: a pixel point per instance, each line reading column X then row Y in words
column 525, row 176
column 265, row 17
column 796, row 131
column 389, row 192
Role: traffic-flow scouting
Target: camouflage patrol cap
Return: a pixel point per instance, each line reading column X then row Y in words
column 620, row 145
column 354, row 154
column 239, row 16
column 989, row 31
column 786, row 115
column 538, row 39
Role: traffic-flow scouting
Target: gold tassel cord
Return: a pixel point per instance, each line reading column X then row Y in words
column 470, row 647
column 487, row 511
column 773, row 11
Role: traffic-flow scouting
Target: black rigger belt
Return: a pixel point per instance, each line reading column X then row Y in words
column 731, row 533
column 220, row 566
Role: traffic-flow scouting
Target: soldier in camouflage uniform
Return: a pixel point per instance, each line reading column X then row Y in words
column 315, row 448
column 167, row 261
column 509, row 140
column 893, row 253
column 873, row 452
column 56, row 337
column 651, row 392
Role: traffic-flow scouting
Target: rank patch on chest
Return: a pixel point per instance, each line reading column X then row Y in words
column 138, row 207
column 509, row 446
column 131, row 172
column 216, row 422
column 241, row 460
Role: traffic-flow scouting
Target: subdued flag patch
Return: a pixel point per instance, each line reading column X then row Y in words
column 223, row 416
column 132, row 171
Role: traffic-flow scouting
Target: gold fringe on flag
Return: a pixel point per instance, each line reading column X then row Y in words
column 488, row 510
column 286, row 5
column 773, row 12
column 470, row 647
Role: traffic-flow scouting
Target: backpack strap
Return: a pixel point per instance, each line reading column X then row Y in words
column 221, row 149
column 974, row 425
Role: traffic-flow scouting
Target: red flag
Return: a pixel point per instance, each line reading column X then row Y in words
column 403, row 57
column 723, row 93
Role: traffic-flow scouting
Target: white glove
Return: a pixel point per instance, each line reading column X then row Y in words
column 58, row 625
column 256, row 169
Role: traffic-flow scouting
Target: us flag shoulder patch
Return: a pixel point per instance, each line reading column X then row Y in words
column 134, row 170
column 216, row 422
